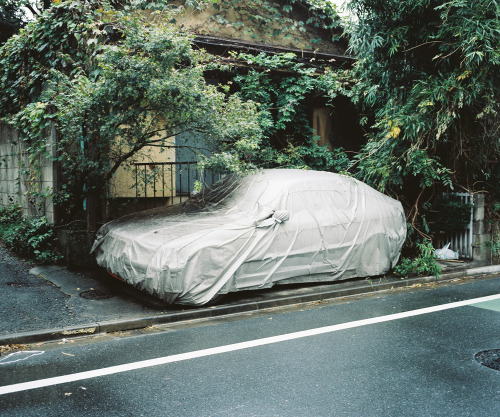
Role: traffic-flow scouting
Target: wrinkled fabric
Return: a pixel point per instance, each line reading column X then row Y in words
column 272, row 227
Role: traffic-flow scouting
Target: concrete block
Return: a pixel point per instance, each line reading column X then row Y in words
column 481, row 253
column 478, row 214
column 479, row 203
column 481, row 228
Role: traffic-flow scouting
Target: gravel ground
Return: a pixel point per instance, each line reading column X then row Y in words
column 28, row 302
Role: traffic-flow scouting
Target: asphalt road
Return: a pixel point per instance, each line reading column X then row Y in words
column 403, row 353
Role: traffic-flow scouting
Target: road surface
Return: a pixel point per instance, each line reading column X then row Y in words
column 398, row 353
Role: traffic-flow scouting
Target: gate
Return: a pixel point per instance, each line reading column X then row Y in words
column 461, row 241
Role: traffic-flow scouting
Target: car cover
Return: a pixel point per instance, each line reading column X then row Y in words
column 254, row 231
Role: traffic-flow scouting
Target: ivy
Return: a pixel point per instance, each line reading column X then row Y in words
column 281, row 86
column 258, row 18
column 56, row 41
column 113, row 82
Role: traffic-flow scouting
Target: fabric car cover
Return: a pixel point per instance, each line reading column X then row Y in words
column 254, row 231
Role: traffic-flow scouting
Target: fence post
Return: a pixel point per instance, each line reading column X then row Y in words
column 481, row 231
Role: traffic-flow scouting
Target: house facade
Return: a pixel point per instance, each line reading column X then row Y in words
column 167, row 176
column 158, row 179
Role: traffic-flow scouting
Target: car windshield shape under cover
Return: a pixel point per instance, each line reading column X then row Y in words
column 249, row 232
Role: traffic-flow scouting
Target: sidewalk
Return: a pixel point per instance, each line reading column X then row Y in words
column 51, row 302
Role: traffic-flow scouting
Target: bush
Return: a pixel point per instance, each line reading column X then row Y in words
column 423, row 264
column 29, row 238
column 10, row 214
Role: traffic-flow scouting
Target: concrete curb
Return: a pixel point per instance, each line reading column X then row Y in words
column 95, row 328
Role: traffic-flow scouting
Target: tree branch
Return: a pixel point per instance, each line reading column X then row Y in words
column 118, row 162
column 31, row 9
column 413, row 213
column 422, row 44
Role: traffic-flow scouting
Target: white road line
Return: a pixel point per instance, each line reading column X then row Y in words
column 79, row 376
column 24, row 354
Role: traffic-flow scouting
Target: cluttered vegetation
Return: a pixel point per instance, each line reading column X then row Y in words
column 29, row 238
column 428, row 75
column 425, row 86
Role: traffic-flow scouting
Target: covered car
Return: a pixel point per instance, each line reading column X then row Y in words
column 249, row 232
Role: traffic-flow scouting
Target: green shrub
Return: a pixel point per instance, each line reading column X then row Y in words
column 10, row 214
column 10, row 217
column 449, row 214
column 29, row 238
column 424, row 264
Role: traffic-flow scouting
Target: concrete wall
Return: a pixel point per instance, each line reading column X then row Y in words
column 481, row 231
column 17, row 185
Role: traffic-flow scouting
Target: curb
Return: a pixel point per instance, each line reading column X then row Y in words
column 96, row 328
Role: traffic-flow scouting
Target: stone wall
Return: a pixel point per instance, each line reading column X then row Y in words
column 16, row 185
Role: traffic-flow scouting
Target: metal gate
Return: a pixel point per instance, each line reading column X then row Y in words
column 462, row 241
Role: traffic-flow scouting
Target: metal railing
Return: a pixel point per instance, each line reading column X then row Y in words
column 462, row 241
column 169, row 182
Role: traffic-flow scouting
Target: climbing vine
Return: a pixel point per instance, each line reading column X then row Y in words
column 283, row 87
column 116, row 78
column 294, row 16
column 113, row 83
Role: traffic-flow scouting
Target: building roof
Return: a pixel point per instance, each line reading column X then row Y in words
column 221, row 47
column 300, row 27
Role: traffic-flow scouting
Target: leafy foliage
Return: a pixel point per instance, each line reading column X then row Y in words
column 281, row 87
column 114, row 82
column 423, row 264
column 10, row 214
column 15, row 14
column 30, row 238
column 116, row 78
column 50, row 43
column 428, row 74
